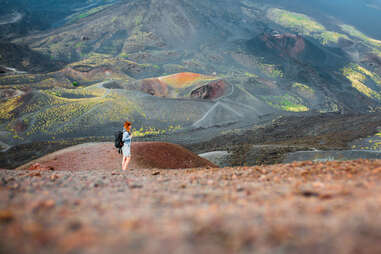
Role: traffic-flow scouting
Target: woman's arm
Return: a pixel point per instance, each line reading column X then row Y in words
column 126, row 137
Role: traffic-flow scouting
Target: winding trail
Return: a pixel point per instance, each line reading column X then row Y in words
column 6, row 146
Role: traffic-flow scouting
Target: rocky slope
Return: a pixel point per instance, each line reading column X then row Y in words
column 23, row 17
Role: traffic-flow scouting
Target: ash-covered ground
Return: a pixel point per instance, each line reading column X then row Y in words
column 303, row 207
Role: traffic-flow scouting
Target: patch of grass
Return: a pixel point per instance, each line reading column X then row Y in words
column 123, row 55
column 7, row 108
column 97, row 59
column 62, row 115
column 285, row 102
column 327, row 36
column 302, row 23
column 78, row 44
column 251, row 75
column 296, row 21
column 358, row 75
column 271, row 70
column 304, row 89
column 154, row 131
column 352, row 31
column 368, row 73
column 87, row 13
column 138, row 20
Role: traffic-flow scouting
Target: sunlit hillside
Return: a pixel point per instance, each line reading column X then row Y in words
column 177, row 65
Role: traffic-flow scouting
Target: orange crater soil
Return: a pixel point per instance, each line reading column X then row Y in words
column 184, row 79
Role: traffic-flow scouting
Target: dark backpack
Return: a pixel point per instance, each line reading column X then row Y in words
column 118, row 140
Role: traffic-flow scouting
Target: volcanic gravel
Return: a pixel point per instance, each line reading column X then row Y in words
column 104, row 155
column 303, row 207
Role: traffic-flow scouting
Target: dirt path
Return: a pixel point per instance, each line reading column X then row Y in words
column 4, row 147
column 331, row 207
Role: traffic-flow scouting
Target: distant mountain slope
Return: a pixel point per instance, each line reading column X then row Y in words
column 22, row 58
column 151, row 25
column 23, row 17
column 170, row 64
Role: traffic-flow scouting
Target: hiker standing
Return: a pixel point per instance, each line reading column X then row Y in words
column 126, row 148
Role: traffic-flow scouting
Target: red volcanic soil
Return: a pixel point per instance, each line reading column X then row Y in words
column 183, row 79
column 104, row 156
column 154, row 87
column 303, row 207
column 165, row 155
column 286, row 44
column 213, row 90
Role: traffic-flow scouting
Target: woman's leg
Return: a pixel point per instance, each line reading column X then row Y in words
column 128, row 161
column 124, row 164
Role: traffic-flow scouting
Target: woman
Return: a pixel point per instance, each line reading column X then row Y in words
column 126, row 148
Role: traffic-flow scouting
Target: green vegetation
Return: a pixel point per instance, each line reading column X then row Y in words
column 369, row 143
column 7, row 108
column 97, row 59
column 154, row 131
column 63, row 111
column 296, row 21
column 78, row 44
column 123, row 55
column 75, row 84
column 366, row 72
column 303, row 89
column 251, row 75
column 303, row 24
column 271, row 70
column 358, row 75
column 285, row 102
column 328, row 36
column 355, row 33
column 138, row 20
column 92, row 11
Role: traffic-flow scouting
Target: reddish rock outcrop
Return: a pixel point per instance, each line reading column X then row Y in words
column 286, row 44
column 104, row 156
column 38, row 166
column 180, row 84
column 213, row 90
column 154, row 87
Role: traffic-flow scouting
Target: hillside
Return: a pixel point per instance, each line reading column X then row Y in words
column 177, row 66
column 256, row 126
column 22, row 17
